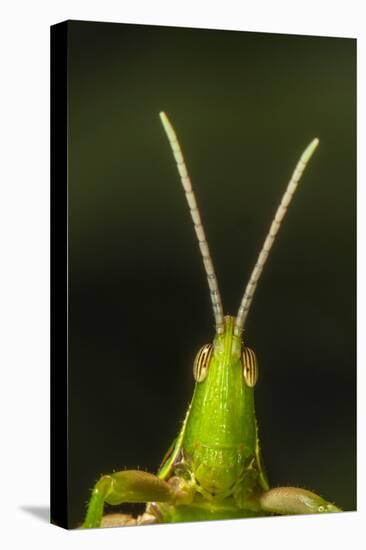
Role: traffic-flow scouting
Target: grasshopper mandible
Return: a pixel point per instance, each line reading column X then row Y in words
column 213, row 469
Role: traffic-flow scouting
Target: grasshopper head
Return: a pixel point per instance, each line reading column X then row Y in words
column 221, row 429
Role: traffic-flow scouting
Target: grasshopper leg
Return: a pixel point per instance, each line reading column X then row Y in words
column 127, row 486
column 293, row 500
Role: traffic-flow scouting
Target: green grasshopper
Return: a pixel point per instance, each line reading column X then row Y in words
column 213, row 469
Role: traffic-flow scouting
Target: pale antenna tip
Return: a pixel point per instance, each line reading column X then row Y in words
column 162, row 115
column 310, row 150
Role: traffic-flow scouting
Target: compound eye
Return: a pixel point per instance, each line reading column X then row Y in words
column 250, row 366
column 202, row 362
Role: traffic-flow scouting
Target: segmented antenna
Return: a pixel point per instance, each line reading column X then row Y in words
column 281, row 211
column 202, row 241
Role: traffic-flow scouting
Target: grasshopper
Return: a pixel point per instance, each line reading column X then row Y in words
column 213, row 469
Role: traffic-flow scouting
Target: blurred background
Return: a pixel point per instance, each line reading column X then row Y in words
column 244, row 106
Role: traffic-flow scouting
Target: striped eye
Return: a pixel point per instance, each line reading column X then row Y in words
column 202, row 362
column 250, row 366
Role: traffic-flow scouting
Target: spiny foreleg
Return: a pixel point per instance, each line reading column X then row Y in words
column 131, row 486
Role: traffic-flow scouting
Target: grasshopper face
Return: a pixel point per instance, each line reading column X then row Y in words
column 220, row 433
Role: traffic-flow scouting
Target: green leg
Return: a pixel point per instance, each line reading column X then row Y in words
column 293, row 500
column 128, row 486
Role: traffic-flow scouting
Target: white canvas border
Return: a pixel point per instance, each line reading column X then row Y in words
column 24, row 275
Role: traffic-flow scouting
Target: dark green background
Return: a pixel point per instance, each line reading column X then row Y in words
column 244, row 106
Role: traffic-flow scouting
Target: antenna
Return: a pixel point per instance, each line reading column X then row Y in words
column 281, row 211
column 201, row 237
